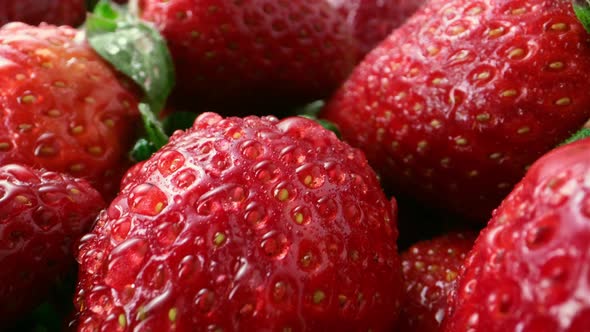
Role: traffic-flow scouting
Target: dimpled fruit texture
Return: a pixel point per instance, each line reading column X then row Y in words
column 62, row 108
column 243, row 225
column 373, row 20
column 430, row 270
column 41, row 214
column 530, row 268
column 59, row 12
column 457, row 102
column 253, row 51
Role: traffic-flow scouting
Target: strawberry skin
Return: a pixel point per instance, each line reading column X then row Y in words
column 62, row 107
column 58, row 12
column 528, row 270
column 243, row 225
column 430, row 270
column 373, row 20
column 41, row 214
column 456, row 103
column 253, row 52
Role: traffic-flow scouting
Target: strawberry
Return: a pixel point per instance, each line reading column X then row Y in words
column 430, row 269
column 60, row 12
column 373, row 20
column 528, row 270
column 41, row 214
column 242, row 225
column 456, row 104
column 63, row 108
column 253, row 53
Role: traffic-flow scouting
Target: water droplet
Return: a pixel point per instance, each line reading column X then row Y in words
column 312, row 176
column 275, row 245
column 170, row 162
column 205, row 300
column 147, row 199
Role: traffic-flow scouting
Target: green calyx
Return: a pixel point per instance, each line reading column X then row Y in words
column 312, row 110
column 137, row 49
column 582, row 10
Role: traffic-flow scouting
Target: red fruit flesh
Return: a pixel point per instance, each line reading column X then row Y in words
column 242, row 225
column 63, row 108
column 529, row 269
column 58, row 12
column 41, row 215
column 253, row 53
column 373, row 20
column 457, row 102
column 430, row 270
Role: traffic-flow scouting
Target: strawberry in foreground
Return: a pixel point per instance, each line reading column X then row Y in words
column 42, row 214
column 456, row 103
column 58, row 12
column 430, row 269
column 253, row 53
column 373, row 20
column 63, row 108
column 529, row 269
column 242, row 225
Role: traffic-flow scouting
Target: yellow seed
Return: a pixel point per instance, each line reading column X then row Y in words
column 509, row 93
column 90, row 100
column 556, row 65
column 518, row 11
column 299, row 217
column 484, row 75
column 76, row 167
column 495, row 155
column 318, row 296
column 109, row 123
column 483, row 117
column 473, row 173
column 475, row 11
column 54, row 113
column 516, row 53
column 28, row 99
column 23, row 200
column 418, row 107
column 283, row 195
column 523, row 130
column 496, row 32
column 461, row 141
column 47, row 151
column 563, row 101
column 77, row 130
column 47, row 65
column 95, row 150
column 75, row 191
column 451, row 275
column 457, row 30
column 25, row 127
column 159, row 207
column 437, row 81
column 559, row 26
column 219, row 238
column 172, row 313
column 422, row 145
column 4, row 146
column 432, row 50
column 237, row 135
column 20, row 77
column 435, row 124
column 122, row 320
column 59, row 84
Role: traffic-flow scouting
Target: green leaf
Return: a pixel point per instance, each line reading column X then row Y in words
column 142, row 150
column 312, row 110
column 133, row 47
column 153, row 127
column 580, row 134
column 582, row 10
column 179, row 121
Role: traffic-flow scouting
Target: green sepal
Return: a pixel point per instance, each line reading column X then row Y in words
column 579, row 135
column 133, row 47
column 312, row 110
column 582, row 10
column 179, row 121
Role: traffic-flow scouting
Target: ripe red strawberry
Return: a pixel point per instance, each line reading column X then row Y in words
column 430, row 269
column 373, row 20
column 41, row 214
column 529, row 269
column 253, row 52
column 59, row 12
column 62, row 107
column 457, row 102
column 242, row 225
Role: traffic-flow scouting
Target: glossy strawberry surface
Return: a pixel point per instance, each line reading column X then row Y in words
column 62, row 108
column 373, row 20
column 253, row 52
column 455, row 105
column 59, row 12
column 430, row 269
column 242, row 225
column 42, row 214
column 529, row 269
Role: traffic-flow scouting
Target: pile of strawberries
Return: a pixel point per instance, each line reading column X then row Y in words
column 295, row 165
